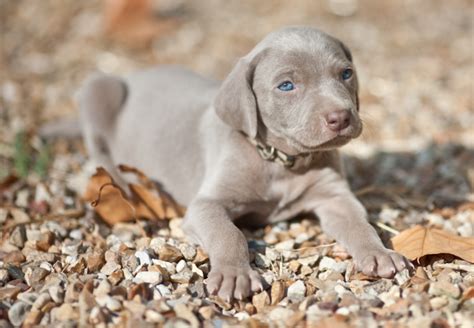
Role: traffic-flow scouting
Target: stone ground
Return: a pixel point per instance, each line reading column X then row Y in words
column 60, row 265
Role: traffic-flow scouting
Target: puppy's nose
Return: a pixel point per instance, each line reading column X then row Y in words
column 338, row 120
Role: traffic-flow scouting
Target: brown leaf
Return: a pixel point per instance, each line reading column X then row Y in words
column 108, row 199
column 419, row 241
column 134, row 22
column 113, row 205
column 151, row 200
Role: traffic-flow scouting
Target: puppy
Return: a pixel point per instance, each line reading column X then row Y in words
column 260, row 146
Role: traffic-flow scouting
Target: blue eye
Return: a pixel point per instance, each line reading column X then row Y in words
column 286, row 86
column 346, row 74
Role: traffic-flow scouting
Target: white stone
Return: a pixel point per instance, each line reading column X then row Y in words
column 181, row 265
column 286, row 245
column 296, row 292
column 188, row 251
column 151, row 277
column 76, row 234
column 328, row 263
column 309, row 261
column 143, row 257
column 163, row 290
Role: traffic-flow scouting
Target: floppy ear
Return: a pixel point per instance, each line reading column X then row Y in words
column 235, row 103
column 348, row 55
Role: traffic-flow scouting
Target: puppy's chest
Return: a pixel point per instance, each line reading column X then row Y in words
column 290, row 195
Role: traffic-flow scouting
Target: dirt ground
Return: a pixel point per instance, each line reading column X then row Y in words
column 61, row 265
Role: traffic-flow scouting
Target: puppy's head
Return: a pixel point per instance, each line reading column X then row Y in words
column 298, row 84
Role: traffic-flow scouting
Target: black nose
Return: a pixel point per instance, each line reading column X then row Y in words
column 338, row 120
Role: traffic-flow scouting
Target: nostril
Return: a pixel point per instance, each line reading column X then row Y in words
column 338, row 120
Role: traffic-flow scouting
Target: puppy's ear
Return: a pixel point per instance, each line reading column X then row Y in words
column 346, row 51
column 348, row 55
column 235, row 103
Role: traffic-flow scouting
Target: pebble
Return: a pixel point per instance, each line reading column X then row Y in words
column 181, row 266
column 182, row 277
column 143, row 257
column 309, row 261
column 296, row 292
column 262, row 261
column 280, row 314
column 188, row 251
column 151, row 277
column 110, row 267
column 113, row 305
column 41, row 301
column 402, row 277
column 207, row 312
column 3, row 215
column 14, row 257
column 18, row 236
column 76, row 234
column 286, row 245
column 168, row 253
column 328, row 263
column 34, row 276
column 197, row 290
column 261, row 300
column 154, row 317
column 18, row 312
column 183, row 312
column 163, row 290
column 3, row 276
column 440, row 288
column 196, row 270
column 57, row 294
column 103, row 288
column 277, row 292
column 65, row 312
column 167, row 266
column 437, row 303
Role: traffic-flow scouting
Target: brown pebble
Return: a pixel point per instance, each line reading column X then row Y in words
column 261, row 300
column 95, row 261
column 32, row 318
column 169, row 253
column 277, row 292
column 116, row 277
column 46, row 241
column 14, row 257
column 201, row 256
column 294, row 266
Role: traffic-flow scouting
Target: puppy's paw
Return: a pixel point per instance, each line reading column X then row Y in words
column 229, row 282
column 382, row 263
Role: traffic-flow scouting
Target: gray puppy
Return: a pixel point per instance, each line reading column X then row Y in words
column 261, row 147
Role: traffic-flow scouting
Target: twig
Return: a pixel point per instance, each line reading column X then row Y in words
column 385, row 227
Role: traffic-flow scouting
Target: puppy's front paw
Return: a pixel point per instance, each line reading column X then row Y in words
column 230, row 282
column 382, row 263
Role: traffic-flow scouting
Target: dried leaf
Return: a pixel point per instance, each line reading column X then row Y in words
column 108, row 199
column 152, row 203
column 419, row 241
column 114, row 206
column 134, row 22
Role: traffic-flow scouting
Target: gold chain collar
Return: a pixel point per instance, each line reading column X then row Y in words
column 270, row 153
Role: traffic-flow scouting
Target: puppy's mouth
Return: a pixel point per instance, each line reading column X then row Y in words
column 334, row 141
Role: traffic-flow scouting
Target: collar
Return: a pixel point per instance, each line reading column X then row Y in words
column 272, row 154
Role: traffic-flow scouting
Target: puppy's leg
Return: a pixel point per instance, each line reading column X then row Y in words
column 209, row 224
column 100, row 100
column 344, row 218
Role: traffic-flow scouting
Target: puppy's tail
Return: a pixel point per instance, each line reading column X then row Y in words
column 65, row 128
column 99, row 100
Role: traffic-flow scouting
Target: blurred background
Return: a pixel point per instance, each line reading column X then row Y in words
column 414, row 59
